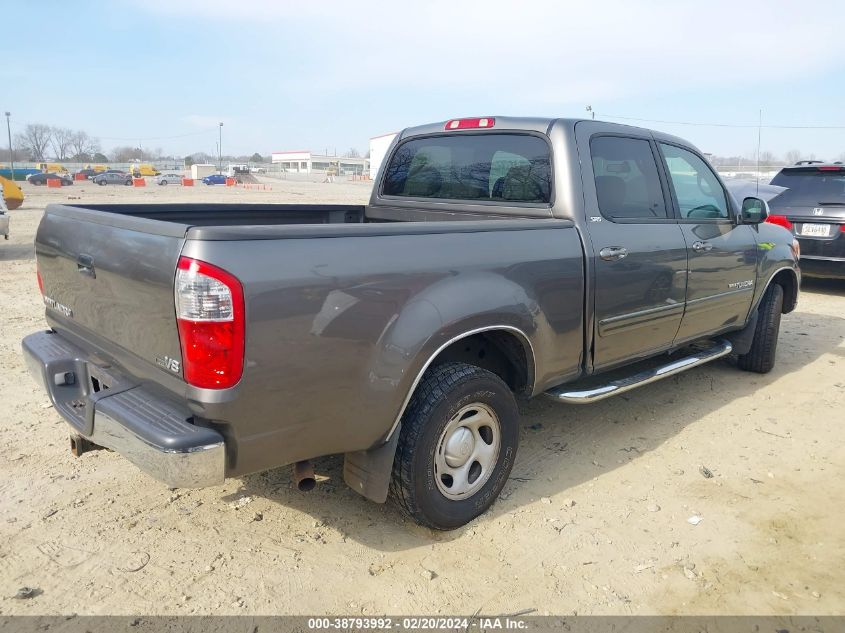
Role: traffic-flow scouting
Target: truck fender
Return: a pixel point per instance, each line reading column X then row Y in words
column 446, row 312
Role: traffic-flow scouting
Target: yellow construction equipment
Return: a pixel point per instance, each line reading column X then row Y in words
column 12, row 194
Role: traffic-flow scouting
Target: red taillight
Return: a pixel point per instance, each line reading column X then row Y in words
column 210, row 315
column 780, row 220
column 829, row 168
column 40, row 281
column 466, row 124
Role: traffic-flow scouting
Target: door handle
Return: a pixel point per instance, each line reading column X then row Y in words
column 701, row 247
column 613, row 253
column 85, row 266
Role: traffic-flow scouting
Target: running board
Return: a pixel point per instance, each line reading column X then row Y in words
column 563, row 393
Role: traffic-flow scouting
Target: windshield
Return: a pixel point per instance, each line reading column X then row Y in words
column 811, row 187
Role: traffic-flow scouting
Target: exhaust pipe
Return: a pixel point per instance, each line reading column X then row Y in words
column 303, row 476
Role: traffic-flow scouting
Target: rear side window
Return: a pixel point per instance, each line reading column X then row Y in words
column 627, row 182
column 508, row 168
column 811, row 187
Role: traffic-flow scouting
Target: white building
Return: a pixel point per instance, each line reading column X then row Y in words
column 306, row 162
column 201, row 170
column 378, row 148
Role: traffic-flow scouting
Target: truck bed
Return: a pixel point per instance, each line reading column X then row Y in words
column 202, row 214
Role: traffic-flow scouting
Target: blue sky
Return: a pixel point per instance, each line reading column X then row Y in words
column 331, row 75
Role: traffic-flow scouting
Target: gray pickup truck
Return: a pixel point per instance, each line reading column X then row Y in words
column 498, row 258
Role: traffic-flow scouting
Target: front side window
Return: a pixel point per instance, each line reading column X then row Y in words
column 627, row 182
column 698, row 190
column 494, row 167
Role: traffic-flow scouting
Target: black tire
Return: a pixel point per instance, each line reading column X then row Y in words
column 162, row 183
column 102, row 183
column 128, row 183
column 443, row 392
column 761, row 357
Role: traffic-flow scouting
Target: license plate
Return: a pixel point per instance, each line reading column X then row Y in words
column 816, row 230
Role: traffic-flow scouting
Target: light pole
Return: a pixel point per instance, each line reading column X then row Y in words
column 11, row 155
column 220, row 149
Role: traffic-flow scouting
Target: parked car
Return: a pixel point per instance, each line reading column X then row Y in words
column 88, row 173
column 215, row 179
column 813, row 208
column 112, row 178
column 170, row 179
column 257, row 170
column 41, row 179
column 497, row 258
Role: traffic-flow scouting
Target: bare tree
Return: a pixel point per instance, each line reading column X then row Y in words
column 34, row 140
column 124, row 154
column 202, row 158
column 60, row 141
column 83, row 146
column 767, row 158
column 793, row 156
column 352, row 153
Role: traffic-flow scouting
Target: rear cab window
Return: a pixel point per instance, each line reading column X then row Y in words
column 509, row 168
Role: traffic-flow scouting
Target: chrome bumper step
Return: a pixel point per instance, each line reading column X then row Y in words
column 566, row 393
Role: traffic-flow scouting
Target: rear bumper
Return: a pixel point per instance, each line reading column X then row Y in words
column 830, row 267
column 113, row 410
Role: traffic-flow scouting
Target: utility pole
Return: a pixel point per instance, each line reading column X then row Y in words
column 589, row 109
column 220, row 149
column 11, row 154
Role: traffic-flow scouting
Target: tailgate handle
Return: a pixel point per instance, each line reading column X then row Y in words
column 85, row 266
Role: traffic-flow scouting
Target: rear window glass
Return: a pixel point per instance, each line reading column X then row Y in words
column 811, row 187
column 495, row 167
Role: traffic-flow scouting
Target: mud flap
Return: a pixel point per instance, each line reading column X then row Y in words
column 741, row 340
column 368, row 472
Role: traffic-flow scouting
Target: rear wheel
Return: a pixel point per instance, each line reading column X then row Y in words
column 457, row 446
column 761, row 357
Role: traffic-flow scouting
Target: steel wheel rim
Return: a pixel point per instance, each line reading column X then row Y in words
column 467, row 451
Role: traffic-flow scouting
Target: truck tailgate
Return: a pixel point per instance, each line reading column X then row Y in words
column 109, row 281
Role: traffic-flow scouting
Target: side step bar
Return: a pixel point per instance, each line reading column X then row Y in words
column 563, row 393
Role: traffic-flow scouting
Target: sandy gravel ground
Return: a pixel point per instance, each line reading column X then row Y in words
column 593, row 521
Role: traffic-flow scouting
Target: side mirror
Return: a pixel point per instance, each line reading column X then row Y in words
column 754, row 210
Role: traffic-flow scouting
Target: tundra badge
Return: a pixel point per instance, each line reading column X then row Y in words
column 739, row 285
column 58, row 307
